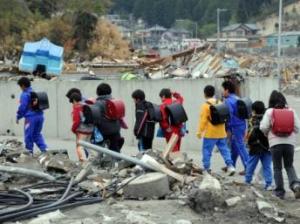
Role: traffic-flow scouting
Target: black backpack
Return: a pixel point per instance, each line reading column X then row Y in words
column 91, row 113
column 244, row 108
column 219, row 113
column 39, row 101
column 177, row 114
column 154, row 112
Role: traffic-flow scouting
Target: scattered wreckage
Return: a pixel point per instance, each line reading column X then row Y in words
column 51, row 183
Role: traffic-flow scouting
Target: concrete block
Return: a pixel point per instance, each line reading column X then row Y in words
column 148, row 186
column 210, row 183
column 183, row 221
column 230, row 202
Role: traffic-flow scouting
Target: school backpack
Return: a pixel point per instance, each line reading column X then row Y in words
column 177, row 114
column 244, row 108
column 219, row 113
column 154, row 112
column 91, row 113
column 115, row 109
column 39, row 100
column 283, row 122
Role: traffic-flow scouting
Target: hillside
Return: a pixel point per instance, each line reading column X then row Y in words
column 74, row 24
column 291, row 20
column 166, row 12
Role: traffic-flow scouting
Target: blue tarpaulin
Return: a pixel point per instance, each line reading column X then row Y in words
column 230, row 63
column 43, row 53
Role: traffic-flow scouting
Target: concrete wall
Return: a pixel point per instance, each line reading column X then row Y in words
column 58, row 117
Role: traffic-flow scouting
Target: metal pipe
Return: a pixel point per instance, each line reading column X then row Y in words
column 218, row 27
column 218, row 30
column 114, row 154
column 279, row 41
column 26, row 172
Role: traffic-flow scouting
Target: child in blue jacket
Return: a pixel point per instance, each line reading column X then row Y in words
column 235, row 126
column 34, row 118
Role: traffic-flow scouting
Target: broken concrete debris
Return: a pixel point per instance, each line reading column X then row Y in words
column 216, row 199
column 138, row 217
column 210, row 183
column 149, row 185
column 48, row 218
column 233, row 201
column 270, row 211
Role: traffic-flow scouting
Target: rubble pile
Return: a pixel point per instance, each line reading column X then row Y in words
column 201, row 62
column 53, row 183
column 206, row 63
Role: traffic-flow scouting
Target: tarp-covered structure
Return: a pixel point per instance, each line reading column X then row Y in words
column 42, row 54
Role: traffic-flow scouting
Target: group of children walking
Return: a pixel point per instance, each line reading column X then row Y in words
column 264, row 143
column 232, row 137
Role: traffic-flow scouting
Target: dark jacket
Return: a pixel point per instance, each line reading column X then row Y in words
column 107, row 126
column 143, row 127
column 257, row 141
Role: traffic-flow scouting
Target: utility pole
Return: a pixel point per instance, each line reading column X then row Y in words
column 218, row 27
column 279, row 41
column 196, row 31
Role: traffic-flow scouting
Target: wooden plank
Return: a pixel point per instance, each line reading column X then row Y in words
column 161, row 168
column 170, row 146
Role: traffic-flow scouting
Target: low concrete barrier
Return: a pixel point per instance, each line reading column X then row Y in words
column 58, row 117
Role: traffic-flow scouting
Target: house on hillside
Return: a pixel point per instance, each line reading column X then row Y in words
column 238, row 36
column 180, row 34
column 156, row 32
column 239, row 30
column 288, row 39
column 117, row 20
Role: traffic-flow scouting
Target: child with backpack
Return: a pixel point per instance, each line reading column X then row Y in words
column 213, row 134
column 236, row 126
column 34, row 117
column 80, row 128
column 167, row 126
column 258, row 147
column 281, row 124
column 111, row 120
column 144, row 127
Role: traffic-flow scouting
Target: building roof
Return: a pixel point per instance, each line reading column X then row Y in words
column 233, row 27
column 157, row 28
column 174, row 30
column 228, row 40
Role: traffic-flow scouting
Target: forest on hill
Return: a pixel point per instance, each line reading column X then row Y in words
column 75, row 24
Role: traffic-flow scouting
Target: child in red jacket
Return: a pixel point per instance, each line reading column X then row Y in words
column 82, row 130
column 168, row 129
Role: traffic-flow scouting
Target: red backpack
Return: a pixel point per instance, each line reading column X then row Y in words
column 283, row 122
column 115, row 109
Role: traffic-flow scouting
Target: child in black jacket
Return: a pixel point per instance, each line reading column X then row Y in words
column 144, row 128
column 258, row 147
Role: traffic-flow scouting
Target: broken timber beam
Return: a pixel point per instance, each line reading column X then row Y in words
column 170, row 146
column 161, row 168
column 175, row 56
